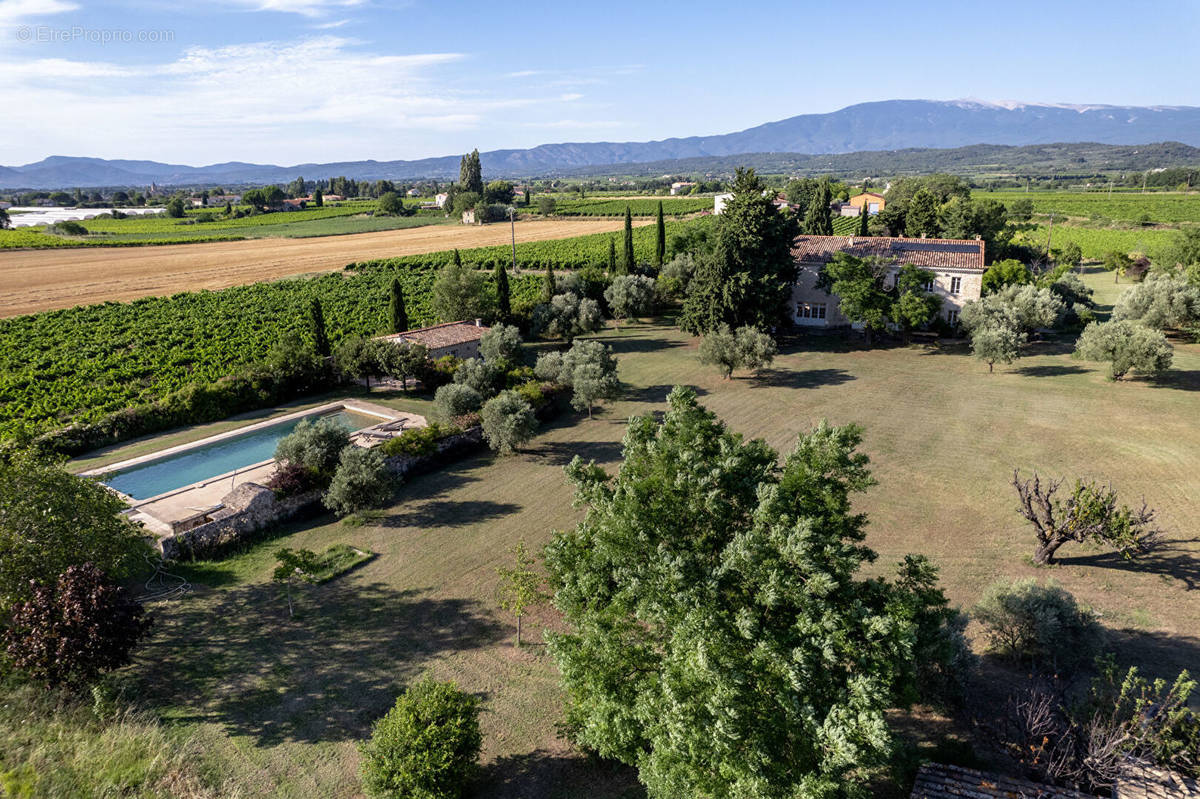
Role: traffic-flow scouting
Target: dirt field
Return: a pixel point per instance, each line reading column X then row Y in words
column 42, row 280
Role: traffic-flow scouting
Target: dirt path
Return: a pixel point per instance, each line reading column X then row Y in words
column 41, row 280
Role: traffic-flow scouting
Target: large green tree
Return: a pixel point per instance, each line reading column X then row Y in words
column 921, row 218
column 470, row 174
column 720, row 639
column 859, row 285
column 748, row 278
column 818, row 219
column 51, row 520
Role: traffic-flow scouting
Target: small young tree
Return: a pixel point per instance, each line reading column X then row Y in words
column 547, row 205
column 520, row 586
column 315, row 446
column 294, row 566
column 316, row 327
column 426, row 747
column 549, row 367
column 69, row 633
column 362, row 481
column 1116, row 262
column 1126, row 346
column 508, row 422
column 1024, row 619
column 501, row 345
column 399, row 312
column 590, row 368
column 1089, row 514
column 630, row 296
column 454, row 400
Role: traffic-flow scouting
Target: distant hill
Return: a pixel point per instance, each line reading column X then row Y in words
column 879, row 127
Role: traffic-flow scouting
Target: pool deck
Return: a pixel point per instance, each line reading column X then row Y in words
column 160, row 514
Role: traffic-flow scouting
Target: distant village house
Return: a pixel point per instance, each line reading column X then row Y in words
column 957, row 266
column 682, row 187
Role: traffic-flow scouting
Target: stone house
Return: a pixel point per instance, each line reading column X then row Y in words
column 460, row 339
column 957, row 266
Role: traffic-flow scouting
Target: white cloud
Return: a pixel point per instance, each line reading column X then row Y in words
column 13, row 10
column 325, row 98
column 306, row 8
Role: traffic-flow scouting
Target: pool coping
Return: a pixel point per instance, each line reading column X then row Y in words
column 365, row 408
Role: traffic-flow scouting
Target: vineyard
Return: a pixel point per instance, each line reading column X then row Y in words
column 84, row 362
column 1126, row 207
column 573, row 253
column 672, row 206
column 1095, row 242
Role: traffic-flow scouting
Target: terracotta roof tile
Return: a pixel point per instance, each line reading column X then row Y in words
column 938, row 781
column 447, row 334
column 948, row 253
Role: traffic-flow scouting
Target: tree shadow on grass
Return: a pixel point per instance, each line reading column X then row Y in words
column 550, row 775
column 1050, row 370
column 1170, row 559
column 448, row 513
column 653, row 395
column 236, row 659
column 625, row 345
column 1179, row 379
column 804, row 378
column 560, row 453
column 1157, row 655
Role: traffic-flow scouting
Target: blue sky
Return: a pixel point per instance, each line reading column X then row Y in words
column 293, row 81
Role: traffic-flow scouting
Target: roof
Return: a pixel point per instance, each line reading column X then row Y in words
column 1149, row 782
column 945, row 253
column 447, row 334
column 868, row 194
column 938, row 781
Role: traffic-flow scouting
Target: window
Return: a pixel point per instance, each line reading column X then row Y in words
column 956, row 285
column 872, row 208
column 952, row 314
column 928, row 285
column 811, row 310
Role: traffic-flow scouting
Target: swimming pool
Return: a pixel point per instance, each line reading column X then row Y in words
column 218, row 457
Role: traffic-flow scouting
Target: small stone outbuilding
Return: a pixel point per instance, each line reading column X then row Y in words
column 460, row 339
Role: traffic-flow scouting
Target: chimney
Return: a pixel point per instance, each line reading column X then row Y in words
column 478, row 323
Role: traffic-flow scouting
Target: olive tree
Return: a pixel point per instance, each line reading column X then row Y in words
column 998, row 340
column 501, row 345
column 508, row 422
column 1025, row 619
column 1163, row 302
column 630, row 296
column 590, row 369
column 568, row 315
column 483, row 376
column 362, row 481
column 1126, row 346
column 459, row 293
column 454, row 400
column 747, row 348
column 314, row 446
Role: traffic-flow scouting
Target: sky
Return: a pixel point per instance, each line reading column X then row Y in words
column 295, row 81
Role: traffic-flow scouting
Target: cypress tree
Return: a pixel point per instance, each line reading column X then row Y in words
column 548, row 285
column 627, row 263
column 612, row 257
column 660, row 238
column 503, row 299
column 818, row 221
column 862, row 221
column 399, row 311
column 457, row 258
column 316, row 325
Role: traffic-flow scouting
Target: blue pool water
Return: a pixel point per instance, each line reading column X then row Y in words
column 220, row 457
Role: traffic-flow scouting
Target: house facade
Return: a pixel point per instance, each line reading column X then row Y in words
column 874, row 203
column 957, row 266
column 460, row 339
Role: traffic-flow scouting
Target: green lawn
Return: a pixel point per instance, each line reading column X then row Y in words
column 283, row 701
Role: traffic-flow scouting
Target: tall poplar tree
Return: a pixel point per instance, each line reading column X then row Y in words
column 470, row 173
column 660, row 237
column 503, row 295
column 627, row 263
column 316, row 328
column 863, row 229
column 398, row 309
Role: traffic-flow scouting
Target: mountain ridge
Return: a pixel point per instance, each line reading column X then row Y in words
column 884, row 125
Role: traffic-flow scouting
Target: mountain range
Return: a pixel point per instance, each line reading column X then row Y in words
column 877, row 126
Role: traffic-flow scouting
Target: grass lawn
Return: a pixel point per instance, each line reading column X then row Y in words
column 284, row 701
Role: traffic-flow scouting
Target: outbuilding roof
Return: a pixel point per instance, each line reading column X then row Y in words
column 938, row 781
column 946, row 253
column 447, row 334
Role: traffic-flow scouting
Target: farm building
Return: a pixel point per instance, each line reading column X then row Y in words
column 682, row 187
column 460, row 339
column 874, row 203
column 413, row 192
column 957, row 265
column 719, row 202
column 440, row 199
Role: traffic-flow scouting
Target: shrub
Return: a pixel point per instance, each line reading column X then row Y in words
column 1024, row 619
column 362, row 481
column 291, row 479
column 418, row 441
column 1126, row 346
column 508, row 422
column 455, row 399
column 532, row 393
column 518, row 376
column 72, row 632
column 315, row 446
column 426, row 747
